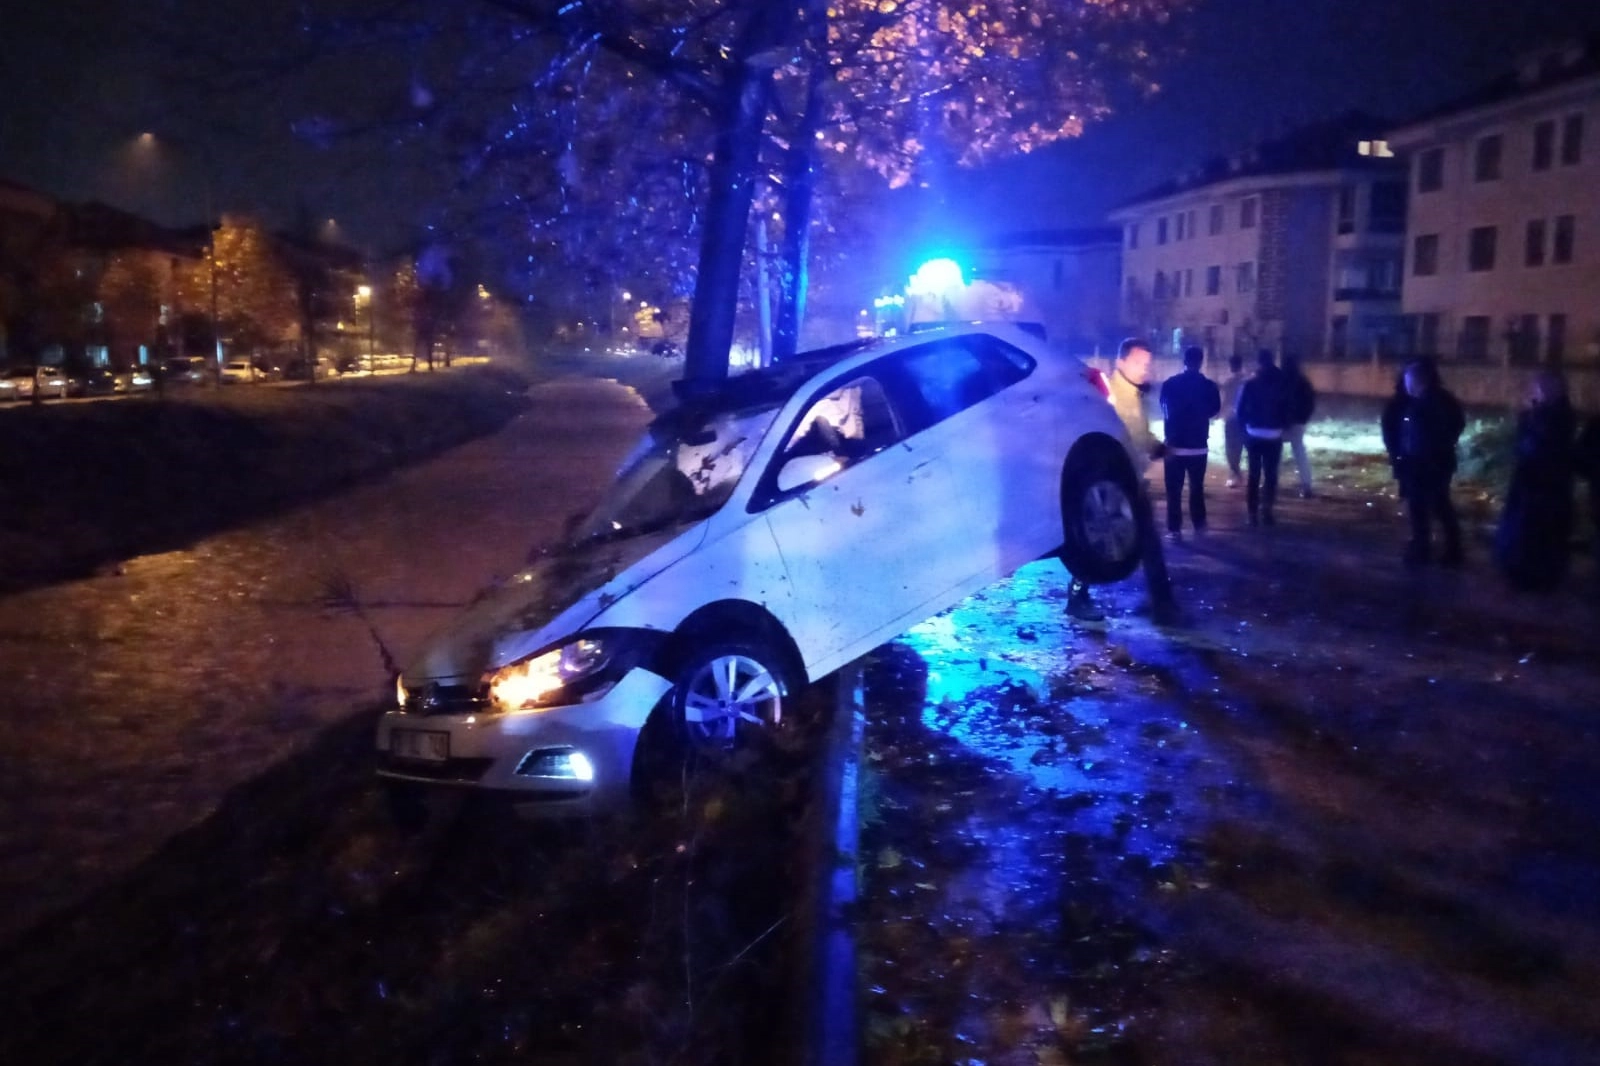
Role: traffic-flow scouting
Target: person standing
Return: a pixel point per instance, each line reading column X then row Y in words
column 1263, row 410
column 1302, row 403
column 1189, row 401
column 1128, row 382
column 1232, row 431
column 1431, row 423
column 1534, row 538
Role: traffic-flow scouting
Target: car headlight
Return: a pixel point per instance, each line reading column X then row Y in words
column 400, row 693
column 535, row 683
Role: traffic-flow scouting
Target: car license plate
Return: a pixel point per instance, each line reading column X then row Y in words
column 425, row 745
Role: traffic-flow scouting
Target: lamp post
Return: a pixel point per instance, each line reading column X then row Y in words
column 150, row 142
column 364, row 296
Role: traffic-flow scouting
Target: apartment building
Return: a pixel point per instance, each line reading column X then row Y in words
column 1068, row 281
column 1504, row 256
column 1295, row 245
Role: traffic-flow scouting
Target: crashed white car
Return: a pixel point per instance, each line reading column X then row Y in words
column 759, row 537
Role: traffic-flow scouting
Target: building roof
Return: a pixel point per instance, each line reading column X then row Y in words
column 1329, row 145
column 1535, row 72
column 102, row 227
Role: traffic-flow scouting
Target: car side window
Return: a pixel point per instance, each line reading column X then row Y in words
column 847, row 424
column 953, row 375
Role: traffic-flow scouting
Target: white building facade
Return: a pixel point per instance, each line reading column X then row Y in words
column 1504, row 218
column 1296, row 247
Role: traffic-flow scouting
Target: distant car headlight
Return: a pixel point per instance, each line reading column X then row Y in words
column 400, row 693
column 539, row 681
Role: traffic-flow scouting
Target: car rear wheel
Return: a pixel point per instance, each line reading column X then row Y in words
column 1102, row 535
column 727, row 693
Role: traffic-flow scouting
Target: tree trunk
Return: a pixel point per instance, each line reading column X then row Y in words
column 794, row 254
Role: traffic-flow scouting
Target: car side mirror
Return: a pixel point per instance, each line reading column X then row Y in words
column 805, row 470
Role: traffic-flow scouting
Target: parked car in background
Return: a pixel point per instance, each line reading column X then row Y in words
column 267, row 368
column 182, row 370
column 759, row 537
column 237, row 371
column 17, row 383
column 52, row 381
column 138, row 379
column 101, row 381
column 299, row 370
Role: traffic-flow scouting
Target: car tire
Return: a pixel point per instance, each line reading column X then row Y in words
column 727, row 694
column 1102, row 535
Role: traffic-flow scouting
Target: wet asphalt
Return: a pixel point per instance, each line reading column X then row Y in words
column 135, row 699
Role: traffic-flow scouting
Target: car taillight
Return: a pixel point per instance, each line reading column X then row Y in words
column 1097, row 378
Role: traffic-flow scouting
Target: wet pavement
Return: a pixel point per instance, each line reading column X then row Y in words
column 135, row 700
column 1348, row 813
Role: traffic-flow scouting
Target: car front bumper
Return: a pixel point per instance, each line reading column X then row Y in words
column 527, row 757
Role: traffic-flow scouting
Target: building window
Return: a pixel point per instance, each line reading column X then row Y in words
column 1245, row 277
column 1572, row 141
column 1347, row 209
column 1533, row 253
column 1183, row 224
column 1428, row 334
column 1480, row 248
column 1544, row 144
column 1133, row 235
column 1161, row 285
column 1565, row 236
column 1213, row 281
column 1188, row 282
column 1388, row 207
column 1161, row 230
column 1524, row 339
column 1555, row 339
column 1430, row 170
column 1425, row 255
column 1475, row 337
column 1215, row 220
column 1486, row 158
column 1247, row 213
column 1193, row 229
column 1339, row 336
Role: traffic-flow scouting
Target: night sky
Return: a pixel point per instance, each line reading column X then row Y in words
column 84, row 77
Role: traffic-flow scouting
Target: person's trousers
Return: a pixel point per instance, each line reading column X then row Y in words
column 1428, row 500
column 1233, row 444
column 1295, row 437
column 1178, row 469
column 1261, row 491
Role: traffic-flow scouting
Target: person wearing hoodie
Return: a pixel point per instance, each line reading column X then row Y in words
column 1189, row 401
column 1534, row 538
column 1264, row 412
column 1431, row 423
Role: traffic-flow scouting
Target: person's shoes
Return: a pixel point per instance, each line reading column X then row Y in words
column 1174, row 536
column 1199, row 531
column 1307, row 494
column 1253, row 520
column 1233, row 481
column 1267, row 519
column 1083, row 609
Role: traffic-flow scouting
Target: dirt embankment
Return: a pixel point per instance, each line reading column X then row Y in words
column 83, row 485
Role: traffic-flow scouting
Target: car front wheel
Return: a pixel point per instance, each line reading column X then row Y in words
column 1102, row 537
column 727, row 693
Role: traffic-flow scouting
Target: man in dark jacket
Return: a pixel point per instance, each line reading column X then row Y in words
column 1430, row 426
column 1264, row 413
column 1302, row 403
column 1189, row 401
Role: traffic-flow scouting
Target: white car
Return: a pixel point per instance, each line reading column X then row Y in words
column 236, row 371
column 17, row 382
column 759, row 537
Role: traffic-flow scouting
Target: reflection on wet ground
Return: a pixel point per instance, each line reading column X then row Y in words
column 1346, row 814
column 137, row 698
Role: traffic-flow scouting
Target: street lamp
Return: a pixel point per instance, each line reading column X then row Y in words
column 150, row 142
column 364, row 296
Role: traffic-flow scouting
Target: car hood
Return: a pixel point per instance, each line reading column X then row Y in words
column 557, row 595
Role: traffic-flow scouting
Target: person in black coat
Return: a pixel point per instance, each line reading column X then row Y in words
column 1533, row 541
column 1430, row 428
column 1189, row 401
column 1264, row 412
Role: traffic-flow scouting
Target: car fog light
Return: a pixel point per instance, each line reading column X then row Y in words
column 563, row 764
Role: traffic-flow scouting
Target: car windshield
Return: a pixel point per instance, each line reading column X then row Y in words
column 683, row 470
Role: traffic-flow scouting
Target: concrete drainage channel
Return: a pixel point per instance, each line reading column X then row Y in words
column 826, row 1025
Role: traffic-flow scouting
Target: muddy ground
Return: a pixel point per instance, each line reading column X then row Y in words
column 1347, row 813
